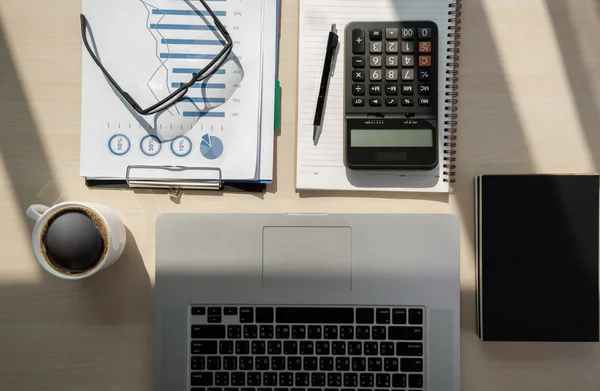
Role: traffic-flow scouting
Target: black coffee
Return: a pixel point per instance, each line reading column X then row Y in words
column 74, row 240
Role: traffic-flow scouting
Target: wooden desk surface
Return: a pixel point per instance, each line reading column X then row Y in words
column 529, row 102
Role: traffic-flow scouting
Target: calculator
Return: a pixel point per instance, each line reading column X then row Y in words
column 391, row 95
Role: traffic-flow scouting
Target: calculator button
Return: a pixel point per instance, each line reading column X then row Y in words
column 392, row 102
column 408, row 47
column 358, row 102
column 375, row 89
column 391, row 61
column 358, row 62
column 425, row 47
column 375, row 102
column 424, row 102
column 391, row 74
column 408, row 33
column 376, row 61
column 424, row 74
column 375, row 47
column 375, row 74
column 375, row 34
column 391, row 34
column 358, row 89
column 408, row 89
column 424, row 89
column 424, row 33
column 358, row 41
column 424, row 61
column 391, row 89
column 407, row 102
column 391, row 47
column 358, row 75
column 408, row 74
column 408, row 61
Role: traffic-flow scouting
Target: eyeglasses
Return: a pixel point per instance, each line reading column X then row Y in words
column 174, row 97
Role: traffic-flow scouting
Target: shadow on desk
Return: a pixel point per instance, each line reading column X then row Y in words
column 65, row 331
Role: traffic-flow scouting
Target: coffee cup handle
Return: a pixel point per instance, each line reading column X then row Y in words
column 35, row 212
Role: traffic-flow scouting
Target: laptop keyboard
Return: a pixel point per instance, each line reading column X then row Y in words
column 242, row 348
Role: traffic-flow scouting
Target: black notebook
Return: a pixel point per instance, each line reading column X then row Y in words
column 537, row 257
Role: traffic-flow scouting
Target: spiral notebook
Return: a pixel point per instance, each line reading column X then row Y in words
column 322, row 167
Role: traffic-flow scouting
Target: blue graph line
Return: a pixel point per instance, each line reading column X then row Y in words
column 187, row 12
column 205, row 42
column 195, row 70
column 210, row 114
column 200, row 85
column 203, row 100
column 159, row 26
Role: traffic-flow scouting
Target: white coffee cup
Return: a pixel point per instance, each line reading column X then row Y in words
column 106, row 221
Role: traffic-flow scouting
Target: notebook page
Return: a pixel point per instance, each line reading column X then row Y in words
column 322, row 167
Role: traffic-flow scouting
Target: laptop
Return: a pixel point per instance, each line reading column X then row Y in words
column 293, row 302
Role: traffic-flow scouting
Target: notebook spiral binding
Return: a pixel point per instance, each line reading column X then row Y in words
column 450, row 115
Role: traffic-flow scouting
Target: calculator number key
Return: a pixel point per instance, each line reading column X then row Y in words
column 391, row 47
column 408, row 33
column 425, row 61
column 358, row 102
column 391, row 61
column 408, row 47
column 425, row 47
column 358, row 62
column 376, row 47
column 424, row 33
column 408, row 74
column 358, row 75
column 375, row 61
column 408, row 61
column 375, row 74
column 391, row 75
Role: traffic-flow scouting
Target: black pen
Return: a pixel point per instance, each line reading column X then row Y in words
column 332, row 44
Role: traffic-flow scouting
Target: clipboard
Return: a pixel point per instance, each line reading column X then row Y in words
column 175, row 186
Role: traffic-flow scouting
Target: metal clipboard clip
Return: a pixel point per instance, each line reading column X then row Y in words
column 174, row 185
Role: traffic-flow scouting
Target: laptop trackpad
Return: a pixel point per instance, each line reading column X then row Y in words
column 303, row 258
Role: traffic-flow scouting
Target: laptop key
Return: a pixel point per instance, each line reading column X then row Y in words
column 342, row 364
column 411, row 365
column 259, row 347
column 262, row 363
column 204, row 347
column 246, row 363
column 409, row 349
column 199, row 311
column 246, row 315
column 230, row 363
column 322, row 347
column 294, row 363
column 383, row 380
column 253, row 379
column 390, row 365
column 214, row 311
column 274, row 347
column 346, row 332
column 365, row 315
column 383, row 316
column 201, row 379
column 326, row 364
column 282, row 332
column 302, row 379
column 242, row 347
column 320, row 315
column 290, row 347
column 338, row 348
column 317, row 379
column 415, row 381
column 208, row 331
column 314, row 332
column 222, row 379
column 350, row 380
column 250, row 331
column 399, row 316
column 266, row 332
column 334, row 379
column 375, row 365
column 366, row 380
column 355, row 348
column 234, row 331
column 213, row 362
column 286, row 379
column 415, row 316
column 298, row 332
column 230, row 311
column 278, row 363
column 359, row 364
column 405, row 333
column 225, row 347
column 238, row 379
column 198, row 363
column 307, row 347
column 310, row 363
column 330, row 332
column 270, row 379
column 378, row 332
column 363, row 332
column 370, row 349
column 386, row 348
column 399, row 380
column 264, row 315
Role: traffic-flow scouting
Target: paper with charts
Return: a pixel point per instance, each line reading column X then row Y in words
column 150, row 47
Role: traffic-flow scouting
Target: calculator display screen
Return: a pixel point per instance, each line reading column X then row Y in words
column 381, row 138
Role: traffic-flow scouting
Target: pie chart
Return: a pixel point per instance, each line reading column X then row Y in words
column 211, row 147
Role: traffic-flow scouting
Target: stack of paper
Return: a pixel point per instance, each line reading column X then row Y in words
column 150, row 47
